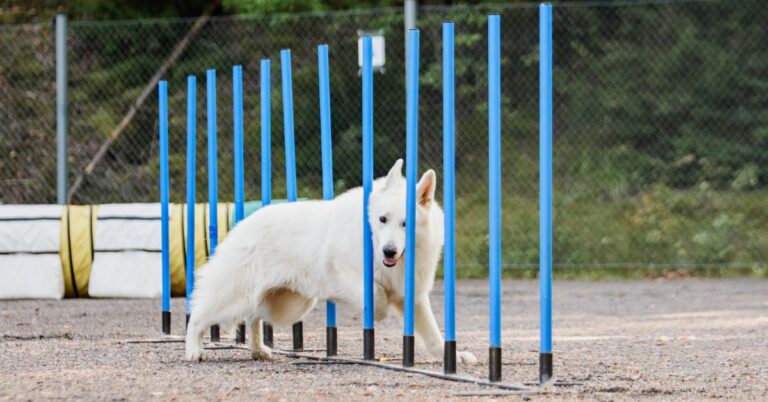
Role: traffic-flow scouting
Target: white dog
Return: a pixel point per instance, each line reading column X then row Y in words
column 278, row 262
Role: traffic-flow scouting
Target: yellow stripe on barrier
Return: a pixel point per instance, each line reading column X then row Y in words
column 178, row 239
column 176, row 243
column 76, row 248
column 76, row 243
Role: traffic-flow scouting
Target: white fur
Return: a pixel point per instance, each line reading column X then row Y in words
column 278, row 262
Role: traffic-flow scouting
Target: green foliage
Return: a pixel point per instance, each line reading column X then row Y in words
column 661, row 119
column 662, row 230
column 696, row 82
column 598, row 273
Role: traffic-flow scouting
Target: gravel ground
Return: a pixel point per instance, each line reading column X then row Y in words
column 688, row 339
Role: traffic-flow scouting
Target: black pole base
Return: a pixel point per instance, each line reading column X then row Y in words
column 240, row 336
column 331, row 341
column 215, row 335
column 186, row 323
column 408, row 351
column 298, row 336
column 494, row 364
column 268, row 334
column 449, row 357
column 545, row 367
column 368, row 349
column 167, row 322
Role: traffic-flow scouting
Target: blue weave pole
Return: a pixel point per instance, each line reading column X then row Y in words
column 449, row 204
column 494, row 193
column 237, row 108
column 290, row 150
column 266, row 159
column 326, row 144
column 545, row 191
column 411, row 177
column 164, row 216
column 367, row 75
column 266, row 139
column 191, row 160
column 213, row 184
column 290, row 158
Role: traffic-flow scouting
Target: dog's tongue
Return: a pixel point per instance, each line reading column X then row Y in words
column 390, row 261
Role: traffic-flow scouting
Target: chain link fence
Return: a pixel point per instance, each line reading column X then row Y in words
column 661, row 120
column 27, row 114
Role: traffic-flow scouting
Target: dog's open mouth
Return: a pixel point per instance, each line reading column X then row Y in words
column 390, row 262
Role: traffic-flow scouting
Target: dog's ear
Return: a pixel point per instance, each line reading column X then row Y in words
column 395, row 173
column 425, row 190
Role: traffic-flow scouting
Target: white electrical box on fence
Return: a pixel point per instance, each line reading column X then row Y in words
column 378, row 47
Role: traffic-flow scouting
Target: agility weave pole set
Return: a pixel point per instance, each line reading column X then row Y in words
column 412, row 83
column 239, row 210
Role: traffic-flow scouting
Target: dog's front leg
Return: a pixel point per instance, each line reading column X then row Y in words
column 429, row 334
column 380, row 302
column 427, row 331
column 350, row 292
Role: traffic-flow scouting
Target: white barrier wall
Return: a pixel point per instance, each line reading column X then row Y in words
column 127, row 258
column 112, row 250
column 30, row 266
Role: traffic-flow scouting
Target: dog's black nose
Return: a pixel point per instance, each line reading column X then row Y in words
column 390, row 252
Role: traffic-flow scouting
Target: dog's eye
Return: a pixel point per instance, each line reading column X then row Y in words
column 383, row 219
column 403, row 223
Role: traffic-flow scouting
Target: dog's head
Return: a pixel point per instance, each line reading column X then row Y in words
column 386, row 212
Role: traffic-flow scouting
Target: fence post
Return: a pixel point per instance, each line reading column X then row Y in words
column 409, row 18
column 61, row 109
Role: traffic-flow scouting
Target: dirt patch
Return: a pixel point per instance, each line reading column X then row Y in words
column 656, row 340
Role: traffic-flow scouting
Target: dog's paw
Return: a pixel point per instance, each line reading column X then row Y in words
column 264, row 354
column 466, row 358
column 197, row 356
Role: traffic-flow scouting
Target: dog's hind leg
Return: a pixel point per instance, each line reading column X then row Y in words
column 259, row 351
column 210, row 311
